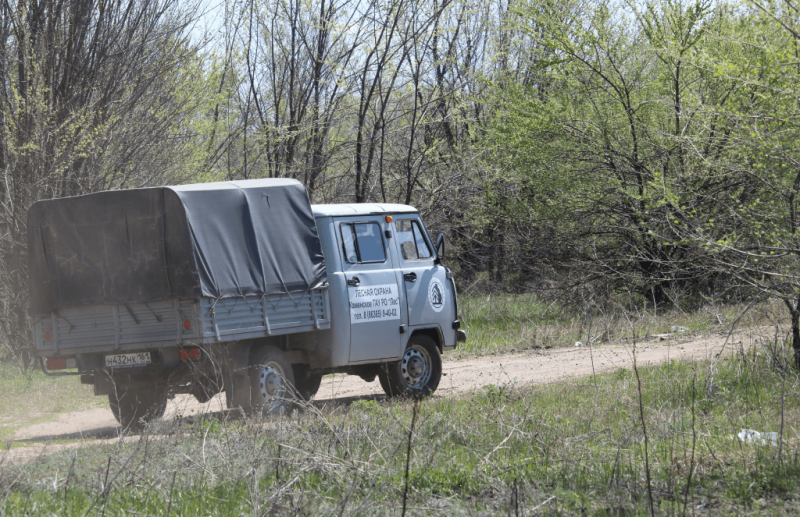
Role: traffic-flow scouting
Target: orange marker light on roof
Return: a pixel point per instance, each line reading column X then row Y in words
column 389, row 219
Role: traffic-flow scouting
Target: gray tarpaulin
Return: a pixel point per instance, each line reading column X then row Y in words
column 238, row 238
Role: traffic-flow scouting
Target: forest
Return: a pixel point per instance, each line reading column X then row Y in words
column 583, row 150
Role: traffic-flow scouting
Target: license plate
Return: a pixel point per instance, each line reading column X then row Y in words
column 124, row 360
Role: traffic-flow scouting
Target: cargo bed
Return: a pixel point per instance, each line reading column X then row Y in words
column 146, row 326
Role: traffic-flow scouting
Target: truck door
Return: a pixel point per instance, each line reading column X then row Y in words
column 373, row 293
column 429, row 293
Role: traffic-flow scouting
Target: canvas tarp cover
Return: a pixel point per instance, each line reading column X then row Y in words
column 220, row 240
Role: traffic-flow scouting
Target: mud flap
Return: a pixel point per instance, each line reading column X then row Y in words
column 236, row 376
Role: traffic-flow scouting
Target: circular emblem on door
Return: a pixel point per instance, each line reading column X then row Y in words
column 436, row 295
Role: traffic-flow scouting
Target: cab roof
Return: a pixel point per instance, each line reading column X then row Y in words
column 346, row 209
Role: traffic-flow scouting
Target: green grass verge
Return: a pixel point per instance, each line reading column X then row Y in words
column 33, row 397
column 563, row 449
column 508, row 322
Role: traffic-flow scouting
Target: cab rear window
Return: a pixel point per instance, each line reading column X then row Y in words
column 362, row 243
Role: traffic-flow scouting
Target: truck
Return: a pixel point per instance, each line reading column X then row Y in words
column 241, row 287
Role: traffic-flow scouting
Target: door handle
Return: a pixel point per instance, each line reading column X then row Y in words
column 410, row 277
column 354, row 281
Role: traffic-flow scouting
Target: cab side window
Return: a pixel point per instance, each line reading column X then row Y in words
column 362, row 242
column 349, row 243
column 413, row 245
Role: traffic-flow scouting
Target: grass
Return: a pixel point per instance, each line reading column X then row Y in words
column 563, row 449
column 574, row 448
column 510, row 323
column 33, row 397
column 495, row 324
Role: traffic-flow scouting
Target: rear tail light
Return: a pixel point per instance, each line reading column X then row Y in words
column 190, row 354
column 61, row 364
column 187, row 325
column 48, row 336
column 56, row 364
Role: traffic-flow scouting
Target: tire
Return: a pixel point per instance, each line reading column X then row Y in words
column 134, row 407
column 205, row 387
column 202, row 393
column 271, row 381
column 417, row 373
column 383, row 378
column 307, row 385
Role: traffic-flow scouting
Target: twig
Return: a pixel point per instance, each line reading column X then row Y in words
column 171, row 489
column 591, row 357
column 515, row 495
column 105, row 487
column 408, row 452
column 715, row 360
column 783, row 400
column 278, row 466
column 544, row 503
column 694, row 442
column 349, row 492
column 499, row 445
column 69, row 475
column 119, row 472
column 721, row 465
column 615, row 473
column 644, row 429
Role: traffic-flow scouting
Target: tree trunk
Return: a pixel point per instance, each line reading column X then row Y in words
column 796, row 333
column 794, row 312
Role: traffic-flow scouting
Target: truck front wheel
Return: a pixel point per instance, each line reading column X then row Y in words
column 271, row 378
column 417, row 373
column 132, row 407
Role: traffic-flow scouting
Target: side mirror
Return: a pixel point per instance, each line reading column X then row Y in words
column 440, row 246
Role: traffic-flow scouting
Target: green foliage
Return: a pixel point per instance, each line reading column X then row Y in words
column 492, row 395
column 652, row 146
column 365, row 406
column 446, row 483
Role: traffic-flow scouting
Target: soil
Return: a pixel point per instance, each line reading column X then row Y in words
column 535, row 366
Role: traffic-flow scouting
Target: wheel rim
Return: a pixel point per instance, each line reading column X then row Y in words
column 416, row 367
column 271, row 391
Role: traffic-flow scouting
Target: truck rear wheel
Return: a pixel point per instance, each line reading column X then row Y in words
column 417, row 373
column 307, row 384
column 133, row 407
column 271, row 381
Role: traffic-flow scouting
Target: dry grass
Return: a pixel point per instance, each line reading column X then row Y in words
column 571, row 448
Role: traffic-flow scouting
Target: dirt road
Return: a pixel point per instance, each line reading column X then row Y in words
column 529, row 367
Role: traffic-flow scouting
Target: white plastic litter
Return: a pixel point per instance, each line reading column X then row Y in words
column 578, row 343
column 676, row 328
column 752, row 436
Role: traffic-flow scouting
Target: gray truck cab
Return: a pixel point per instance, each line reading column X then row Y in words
column 242, row 287
column 387, row 282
